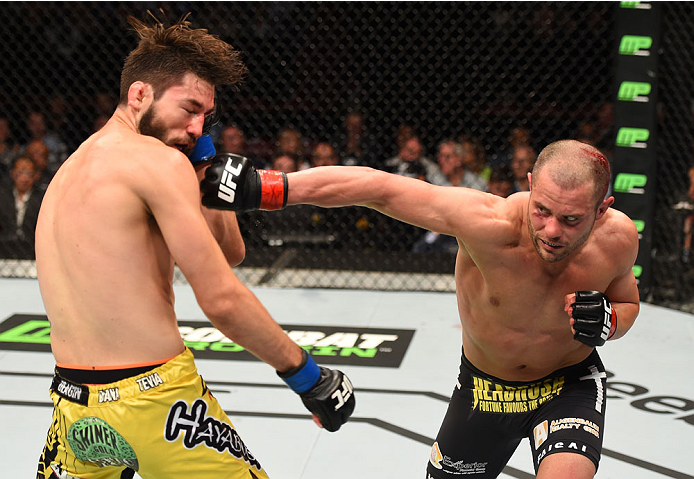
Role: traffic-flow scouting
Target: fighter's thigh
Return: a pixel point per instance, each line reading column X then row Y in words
column 193, row 437
column 471, row 442
column 572, row 425
column 79, row 444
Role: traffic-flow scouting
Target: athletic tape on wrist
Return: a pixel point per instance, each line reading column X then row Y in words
column 613, row 325
column 274, row 190
column 304, row 377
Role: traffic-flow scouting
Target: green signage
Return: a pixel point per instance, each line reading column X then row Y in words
column 632, row 137
column 634, row 91
column 635, row 45
column 630, row 183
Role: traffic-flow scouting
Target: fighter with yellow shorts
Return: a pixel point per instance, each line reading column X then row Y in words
column 160, row 422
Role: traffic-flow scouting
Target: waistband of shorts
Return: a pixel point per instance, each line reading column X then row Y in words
column 570, row 372
column 97, row 394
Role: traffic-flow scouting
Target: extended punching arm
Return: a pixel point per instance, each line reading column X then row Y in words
column 233, row 183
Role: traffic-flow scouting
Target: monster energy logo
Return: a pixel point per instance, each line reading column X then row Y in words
column 635, row 45
column 630, row 183
column 632, row 137
column 634, row 91
column 640, row 225
column 638, row 5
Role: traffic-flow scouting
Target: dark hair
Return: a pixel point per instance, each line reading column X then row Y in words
column 415, row 169
column 165, row 54
column 501, row 173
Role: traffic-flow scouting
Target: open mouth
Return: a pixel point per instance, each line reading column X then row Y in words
column 551, row 246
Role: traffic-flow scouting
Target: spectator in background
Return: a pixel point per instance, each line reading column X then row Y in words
column 323, row 154
column 38, row 152
column 474, row 157
column 519, row 136
column 287, row 163
column 104, row 104
column 522, row 163
column 411, row 162
column 353, row 145
column 233, row 141
column 8, row 146
column 59, row 123
column 454, row 172
column 587, row 133
column 404, row 133
column 99, row 123
column 20, row 201
column 501, row 181
column 604, row 127
column 689, row 221
column 290, row 141
column 38, row 130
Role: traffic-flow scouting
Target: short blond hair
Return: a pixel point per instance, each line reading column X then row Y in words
column 572, row 164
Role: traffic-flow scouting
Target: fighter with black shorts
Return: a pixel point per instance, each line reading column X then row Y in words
column 487, row 418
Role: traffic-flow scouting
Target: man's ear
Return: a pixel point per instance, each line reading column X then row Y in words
column 530, row 183
column 139, row 95
column 602, row 209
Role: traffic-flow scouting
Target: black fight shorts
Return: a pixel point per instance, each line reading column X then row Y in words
column 488, row 417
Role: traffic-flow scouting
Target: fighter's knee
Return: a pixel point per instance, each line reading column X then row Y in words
column 567, row 466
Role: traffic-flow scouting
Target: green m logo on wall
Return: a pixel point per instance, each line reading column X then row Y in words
column 634, row 91
column 635, row 45
column 630, row 183
column 632, row 137
column 638, row 5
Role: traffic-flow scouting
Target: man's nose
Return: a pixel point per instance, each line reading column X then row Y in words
column 552, row 227
column 195, row 126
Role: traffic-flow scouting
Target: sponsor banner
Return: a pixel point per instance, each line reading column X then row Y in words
column 634, row 160
column 327, row 344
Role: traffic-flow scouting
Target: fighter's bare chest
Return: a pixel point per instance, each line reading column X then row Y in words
column 525, row 279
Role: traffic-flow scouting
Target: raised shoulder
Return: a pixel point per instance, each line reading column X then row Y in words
column 497, row 220
column 617, row 234
column 163, row 171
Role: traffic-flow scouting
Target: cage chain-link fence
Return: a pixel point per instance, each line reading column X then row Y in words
column 487, row 74
column 673, row 267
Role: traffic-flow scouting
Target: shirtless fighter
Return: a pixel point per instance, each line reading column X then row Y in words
column 542, row 278
column 118, row 214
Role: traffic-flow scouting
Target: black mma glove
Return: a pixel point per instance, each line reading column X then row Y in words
column 232, row 183
column 594, row 319
column 325, row 392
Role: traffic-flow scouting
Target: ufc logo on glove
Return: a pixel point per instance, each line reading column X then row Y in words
column 342, row 395
column 232, row 183
column 227, row 187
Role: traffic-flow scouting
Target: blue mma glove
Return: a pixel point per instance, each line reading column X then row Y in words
column 327, row 393
column 204, row 150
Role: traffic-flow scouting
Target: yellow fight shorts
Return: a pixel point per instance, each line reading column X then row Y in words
column 162, row 424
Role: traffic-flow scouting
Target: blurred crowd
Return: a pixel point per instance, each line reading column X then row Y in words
column 32, row 149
